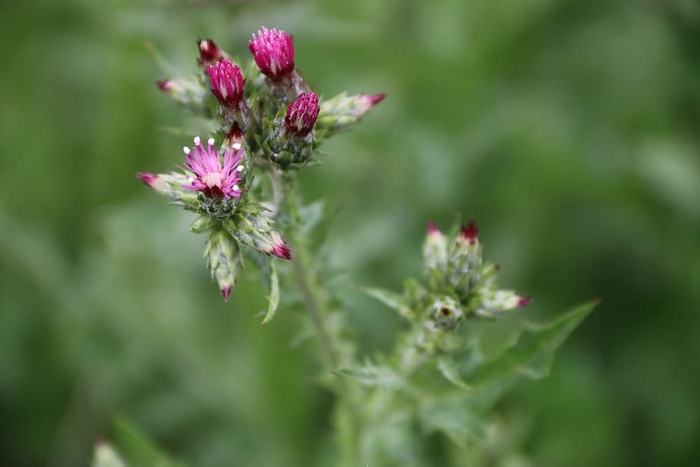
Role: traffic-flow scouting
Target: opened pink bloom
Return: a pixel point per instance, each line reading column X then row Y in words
column 211, row 177
column 273, row 51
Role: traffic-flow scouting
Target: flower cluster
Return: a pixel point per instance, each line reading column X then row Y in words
column 268, row 121
column 459, row 283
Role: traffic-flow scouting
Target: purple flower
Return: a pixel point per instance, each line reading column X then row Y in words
column 273, row 51
column 226, row 82
column 211, row 178
column 302, row 114
column 209, row 52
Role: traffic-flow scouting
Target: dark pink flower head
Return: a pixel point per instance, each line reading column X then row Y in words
column 469, row 233
column 302, row 114
column 273, row 51
column 164, row 85
column 211, row 178
column 433, row 229
column 369, row 101
column 226, row 82
column 209, row 52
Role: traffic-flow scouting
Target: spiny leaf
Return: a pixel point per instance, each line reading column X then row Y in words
column 273, row 299
column 376, row 376
column 463, row 417
column 137, row 448
column 391, row 299
column 532, row 352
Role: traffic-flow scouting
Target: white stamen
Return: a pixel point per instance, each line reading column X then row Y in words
column 197, row 141
column 236, row 188
column 236, row 146
column 240, row 168
column 186, row 150
column 210, row 141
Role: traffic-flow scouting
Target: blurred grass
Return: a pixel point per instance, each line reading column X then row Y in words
column 568, row 129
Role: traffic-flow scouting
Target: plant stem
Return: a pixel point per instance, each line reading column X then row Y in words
column 307, row 285
column 315, row 307
column 306, row 280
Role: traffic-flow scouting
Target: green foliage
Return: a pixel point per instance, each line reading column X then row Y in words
column 454, row 394
column 568, row 129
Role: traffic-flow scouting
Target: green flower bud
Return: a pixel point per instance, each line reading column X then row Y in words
column 173, row 185
column 224, row 259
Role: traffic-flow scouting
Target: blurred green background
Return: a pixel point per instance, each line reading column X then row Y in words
column 569, row 129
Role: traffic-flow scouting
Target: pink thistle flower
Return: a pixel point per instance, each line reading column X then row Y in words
column 226, row 82
column 302, row 114
column 273, row 51
column 211, row 178
column 209, row 52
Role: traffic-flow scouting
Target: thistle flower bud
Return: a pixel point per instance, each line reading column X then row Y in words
column 106, row 456
column 209, row 52
column 226, row 83
column 434, row 255
column 302, row 114
column 465, row 259
column 342, row 111
column 446, row 312
column 224, row 259
column 254, row 229
column 493, row 303
column 172, row 185
column 185, row 91
column 273, row 51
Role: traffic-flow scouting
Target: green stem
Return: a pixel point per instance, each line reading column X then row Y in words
column 316, row 308
column 308, row 287
column 306, row 280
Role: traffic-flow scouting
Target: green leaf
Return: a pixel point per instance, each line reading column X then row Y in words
column 137, row 448
column 391, row 299
column 460, row 362
column 376, row 376
column 269, row 273
column 462, row 417
column 312, row 214
column 273, row 298
column 532, row 352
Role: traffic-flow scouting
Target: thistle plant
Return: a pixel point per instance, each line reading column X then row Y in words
column 240, row 184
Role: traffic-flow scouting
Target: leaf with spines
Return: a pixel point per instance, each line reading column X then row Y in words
column 267, row 268
column 462, row 416
column 530, row 354
column 138, row 449
column 393, row 300
column 375, row 376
